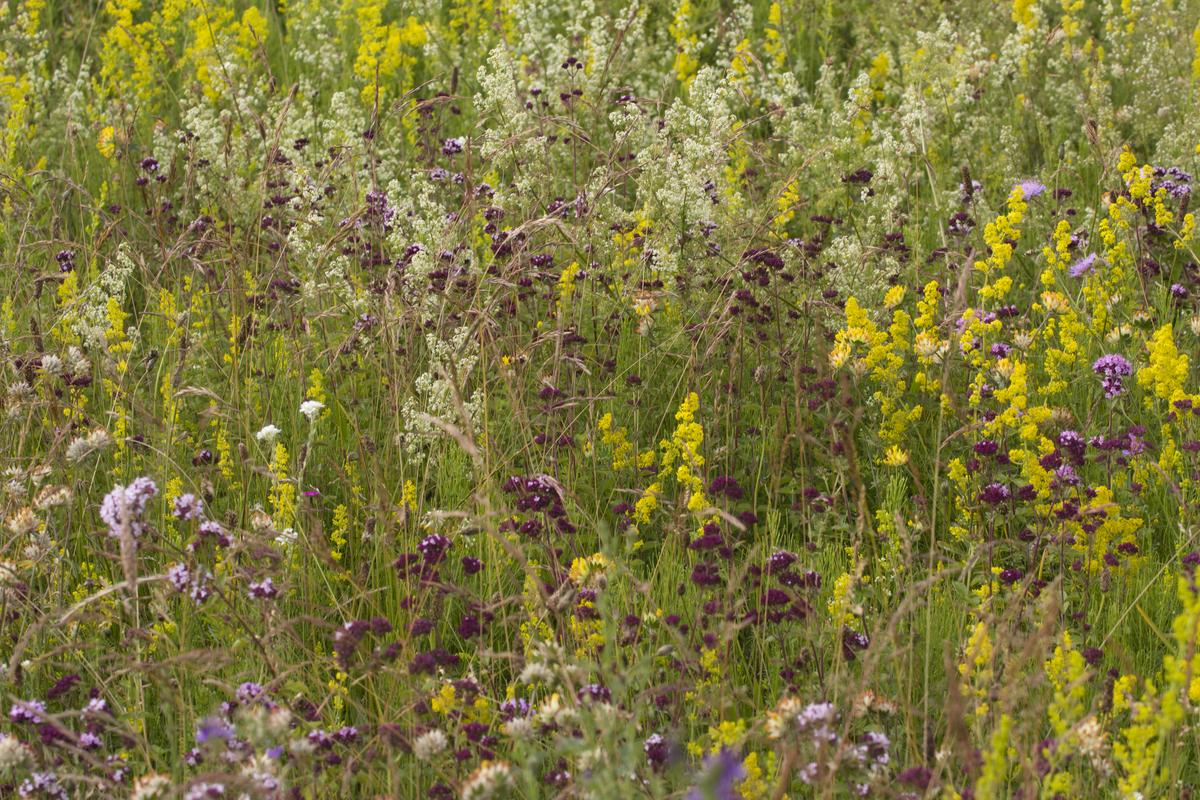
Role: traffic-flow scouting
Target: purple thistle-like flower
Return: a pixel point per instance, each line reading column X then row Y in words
column 1083, row 266
column 471, row 565
column 1113, row 369
column 1031, row 188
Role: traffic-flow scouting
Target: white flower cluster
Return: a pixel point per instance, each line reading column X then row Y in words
column 434, row 396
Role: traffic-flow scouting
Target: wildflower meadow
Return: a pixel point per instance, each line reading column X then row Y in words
column 694, row 399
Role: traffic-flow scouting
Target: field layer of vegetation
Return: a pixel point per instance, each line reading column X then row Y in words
column 707, row 399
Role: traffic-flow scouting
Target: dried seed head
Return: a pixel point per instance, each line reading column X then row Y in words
column 968, row 187
column 35, row 330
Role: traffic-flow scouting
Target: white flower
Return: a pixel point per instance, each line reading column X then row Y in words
column 151, row 786
column 286, row 537
column 268, row 432
column 488, row 779
column 518, row 728
column 536, row 673
column 310, row 408
column 12, row 753
column 429, row 744
column 52, row 365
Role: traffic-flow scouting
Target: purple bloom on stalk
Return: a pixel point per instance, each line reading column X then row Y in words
column 1031, row 188
column 722, row 774
column 126, row 504
column 187, row 507
column 1083, row 266
column 27, row 711
column 918, row 777
column 1112, row 369
column 995, row 493
column 779, row 561
column 1011, row 576
column 213, row 728
column 471, row 565
column 434, row 547
column 264, row 589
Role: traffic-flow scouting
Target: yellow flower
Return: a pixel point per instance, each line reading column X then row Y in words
column 104, row 142
column 895, row 457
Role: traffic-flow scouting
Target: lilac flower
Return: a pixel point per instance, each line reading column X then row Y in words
column 248, row 692
column 722, row 774
column 187, row 507
column 131, row 499
column 179, row 577
column 1112, row 369
column 264, row 589
column 213, row 728
column 27, row 711
column 1083, row 266
column 1031, row 188
column 817, row 720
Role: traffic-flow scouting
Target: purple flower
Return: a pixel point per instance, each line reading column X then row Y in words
column 918, row 777
column 179, row 576
column 722, row 773
column 1011, row 576
column 1083, row 266
column 27, row 711
column 126, row 504
column 779, row 561
column 995, row 493
column 1112, row 369
column 471, row 565
column 264, row 589
column 434, row 547
column 213, row 728
column 187, row 507
column 1031, row 188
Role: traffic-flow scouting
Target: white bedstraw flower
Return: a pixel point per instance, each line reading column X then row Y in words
column 310, row 408
column 267, row 433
